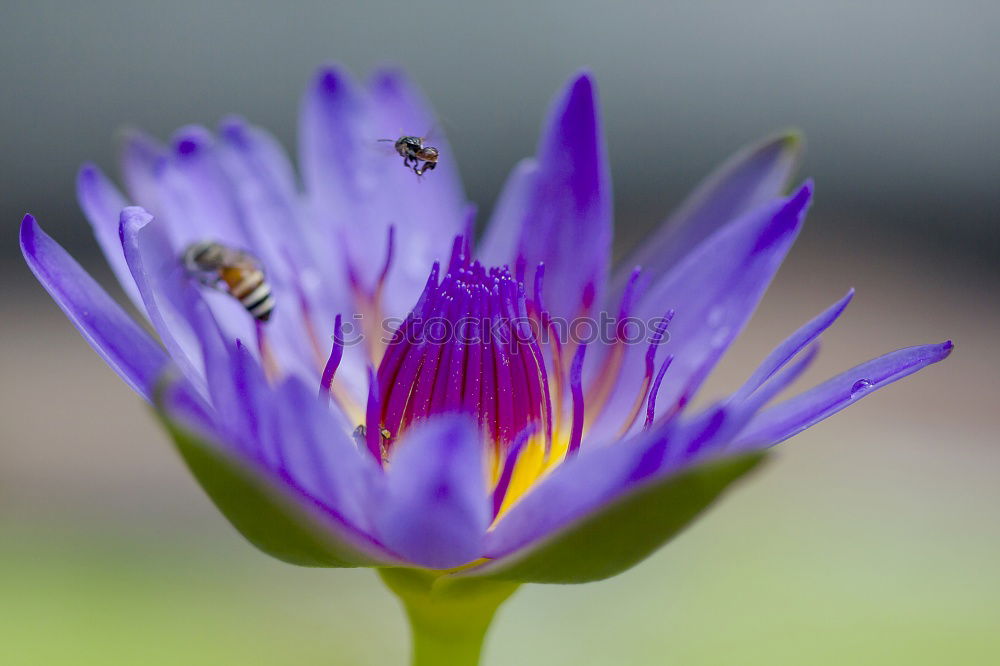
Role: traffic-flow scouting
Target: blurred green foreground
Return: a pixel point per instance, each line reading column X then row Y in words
column 776, row 575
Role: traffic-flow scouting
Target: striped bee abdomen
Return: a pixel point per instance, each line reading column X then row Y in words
column 233, row 271
column 252, row 291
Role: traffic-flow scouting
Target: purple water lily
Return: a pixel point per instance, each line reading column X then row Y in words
column 470, row 442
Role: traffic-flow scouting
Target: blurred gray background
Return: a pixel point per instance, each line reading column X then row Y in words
column 898, row 99
column 871, row 539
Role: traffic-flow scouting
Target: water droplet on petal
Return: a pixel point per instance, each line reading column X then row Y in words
column 861, row 386
column 720, row 338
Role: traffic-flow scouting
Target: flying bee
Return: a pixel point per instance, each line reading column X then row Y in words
column 412, row 149
column 234, row 272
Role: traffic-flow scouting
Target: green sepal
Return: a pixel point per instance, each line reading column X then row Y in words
column 449, row 616
column 266, row 515
column 625, row 531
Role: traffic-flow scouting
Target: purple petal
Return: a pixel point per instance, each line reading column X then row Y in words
column 792, row 346
column 754, row 176
column 102, row 203
column 142, row 160
column 436, row 508
column 733, row 414
column 796, row 414
column 122, row 343
column 566, row 222
column 319, row 457
column 237, row 388
column 778, row 382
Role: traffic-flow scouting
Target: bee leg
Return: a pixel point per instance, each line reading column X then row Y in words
column 428, row 166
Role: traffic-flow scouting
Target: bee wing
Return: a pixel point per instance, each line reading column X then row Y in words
column 437, row 130
column 431, row 134
column 242, row 259
column 204, row 277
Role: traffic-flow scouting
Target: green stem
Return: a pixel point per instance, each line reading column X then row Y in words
column 449, row 617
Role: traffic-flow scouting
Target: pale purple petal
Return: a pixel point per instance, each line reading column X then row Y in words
column 333, row 157
column 142, row 160
column 340, row 160
column 102, row 204
column 121, row 342
column 263, row 187
column 436, row 510
column 196, row 200
column 755, row 175
column 236, row 388
column 796, row 414
column 308, row 288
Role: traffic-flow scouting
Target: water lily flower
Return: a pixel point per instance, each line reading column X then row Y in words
column 436, row 407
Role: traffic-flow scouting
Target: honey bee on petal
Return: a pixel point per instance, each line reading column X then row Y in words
column 413, row 151
column 234, row 272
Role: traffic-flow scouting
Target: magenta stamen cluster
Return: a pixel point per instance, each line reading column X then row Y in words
column 467, row 347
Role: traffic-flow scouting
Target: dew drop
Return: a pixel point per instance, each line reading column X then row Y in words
column 861, row 386
column 720, row 337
